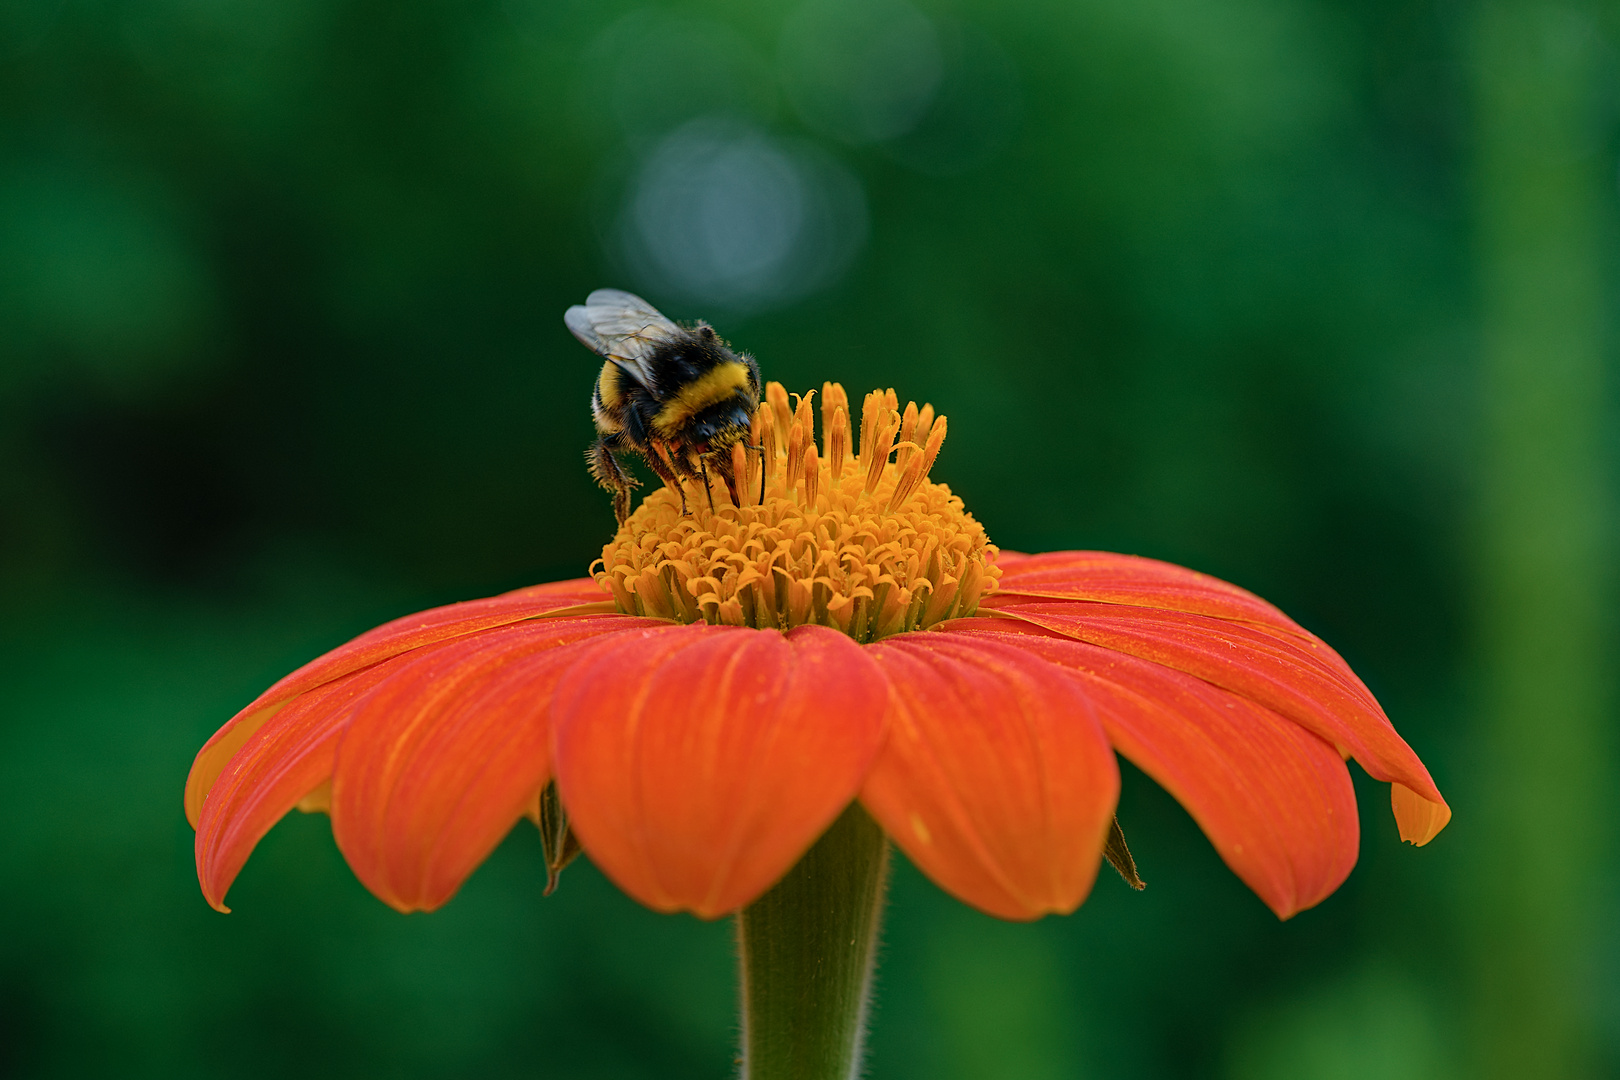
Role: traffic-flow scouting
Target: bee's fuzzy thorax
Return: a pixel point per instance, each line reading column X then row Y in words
column 726, row 380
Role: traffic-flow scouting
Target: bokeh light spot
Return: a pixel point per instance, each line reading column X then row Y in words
column 722, row 213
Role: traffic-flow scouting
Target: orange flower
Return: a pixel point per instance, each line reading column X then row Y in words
column 734, row 677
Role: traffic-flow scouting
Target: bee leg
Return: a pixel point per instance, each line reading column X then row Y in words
column 606, row 471
column 760, row 450
column 707, row 490
column 666, row 472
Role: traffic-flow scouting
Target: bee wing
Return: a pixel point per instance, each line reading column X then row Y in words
column 623, row 328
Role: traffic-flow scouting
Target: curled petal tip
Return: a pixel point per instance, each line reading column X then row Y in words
column 1420, row 820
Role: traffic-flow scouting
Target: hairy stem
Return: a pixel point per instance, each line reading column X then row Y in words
column 807, row 949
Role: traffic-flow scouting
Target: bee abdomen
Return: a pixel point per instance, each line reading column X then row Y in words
column 607, row 400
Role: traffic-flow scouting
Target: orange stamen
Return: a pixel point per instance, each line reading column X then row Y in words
column 812, row 475
column 876, row 457
column 908, row 434
column 833, row 398
column 837, row 436
column 739, row 472
column 777, row 398
column 795, row 455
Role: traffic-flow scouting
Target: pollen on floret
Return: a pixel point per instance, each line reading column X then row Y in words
column 851, row 534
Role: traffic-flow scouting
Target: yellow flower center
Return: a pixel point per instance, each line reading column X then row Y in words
column 851, row 536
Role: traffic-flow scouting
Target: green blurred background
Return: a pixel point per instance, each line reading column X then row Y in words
column 1314, row 295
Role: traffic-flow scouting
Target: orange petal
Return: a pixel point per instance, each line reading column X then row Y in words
column 447, row 752
column 996, row 777
column 1130, row 579
column 699, row 762
column 1275, row 666
column 287, row 757
column 1274, row 799
column 389, row 639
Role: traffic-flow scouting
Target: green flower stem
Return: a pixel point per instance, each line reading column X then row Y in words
column 807, row 950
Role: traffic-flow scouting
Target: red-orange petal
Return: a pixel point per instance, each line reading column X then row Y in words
column 448, row 751
column 1275, row 800
column 287, row 757
column 698, row 763
column 1107, row 577
column 996, row 777
column 1281, row 667
column 388, row 640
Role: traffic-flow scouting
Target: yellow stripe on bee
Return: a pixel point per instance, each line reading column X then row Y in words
column 607, row 385
column 718, row 383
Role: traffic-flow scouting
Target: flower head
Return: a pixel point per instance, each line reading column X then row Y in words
column 735, row 675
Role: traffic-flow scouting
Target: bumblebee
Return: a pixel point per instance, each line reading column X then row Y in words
column 677, row 397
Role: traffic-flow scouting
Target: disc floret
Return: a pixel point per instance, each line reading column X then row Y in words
column 850, row 535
